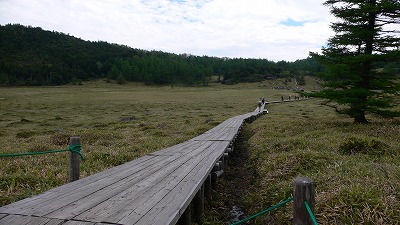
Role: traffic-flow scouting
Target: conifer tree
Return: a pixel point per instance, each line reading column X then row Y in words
column 367, row 36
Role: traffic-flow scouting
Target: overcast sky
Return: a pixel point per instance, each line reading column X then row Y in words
column 271, row 29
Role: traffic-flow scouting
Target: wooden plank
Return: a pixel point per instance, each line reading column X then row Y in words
column 211, row 135
column 94, row 197
column 46, row 205
column 70, row 222
column 224, row 131
column 193, row 149
column 151, row 199
column 236, row 121
column 168, row 210
column 45, row 221
column 55, row 222
column 222, row 134
column 31, row 205
column 174, row 197
column 3, row 215
column 138, row 201
column 180, row 149
column 198, row 203
column 104, row 198
column 11, row 219
column 27, row 220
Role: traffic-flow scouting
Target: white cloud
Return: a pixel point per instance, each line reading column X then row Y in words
column 233, row 28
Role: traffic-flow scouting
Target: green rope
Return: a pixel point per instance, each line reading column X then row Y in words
column 314, row 220
column 71, row 148
column 265, row 211
column 77, row 149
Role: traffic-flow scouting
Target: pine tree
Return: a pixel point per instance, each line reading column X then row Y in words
column 366, row 37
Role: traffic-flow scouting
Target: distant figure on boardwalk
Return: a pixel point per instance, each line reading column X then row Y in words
column 263, row 100
column 281, row 98
column 259, row 105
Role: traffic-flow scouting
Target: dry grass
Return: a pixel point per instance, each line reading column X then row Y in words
column 355, row 167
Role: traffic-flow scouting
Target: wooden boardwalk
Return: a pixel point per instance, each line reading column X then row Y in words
column 154, row 189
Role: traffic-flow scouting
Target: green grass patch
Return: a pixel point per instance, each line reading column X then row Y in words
column 371, row 146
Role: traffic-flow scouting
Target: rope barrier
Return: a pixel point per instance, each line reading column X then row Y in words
column 71, row 148
column 314, row 220
column 265, row 211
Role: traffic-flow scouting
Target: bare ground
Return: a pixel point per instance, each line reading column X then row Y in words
column 226, row 206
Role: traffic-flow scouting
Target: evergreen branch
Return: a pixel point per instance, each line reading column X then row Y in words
column 326, row 103
column 390, row 31
column 386, row 22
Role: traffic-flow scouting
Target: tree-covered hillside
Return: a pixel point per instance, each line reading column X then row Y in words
column 33, row 56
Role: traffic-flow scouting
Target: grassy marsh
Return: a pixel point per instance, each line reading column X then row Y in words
column 116, row 123
column 354, row 183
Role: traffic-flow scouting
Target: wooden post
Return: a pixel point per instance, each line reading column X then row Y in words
column 199, row 205
column 217, row 171
column 208, row 187
column 303, row 191
column 226, row 157
column 186, row 218
column 221, row 163
column 216, row 167
column 75, row 161
column 215, row 175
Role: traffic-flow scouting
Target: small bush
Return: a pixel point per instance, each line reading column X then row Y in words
column 365, row 146
column 60, row 139
column 121, row 79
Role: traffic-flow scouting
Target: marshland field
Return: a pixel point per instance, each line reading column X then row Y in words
column 356, row 168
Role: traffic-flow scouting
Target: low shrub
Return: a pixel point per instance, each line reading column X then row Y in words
column 366, row 146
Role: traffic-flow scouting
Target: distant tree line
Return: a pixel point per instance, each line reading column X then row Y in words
column 33, row 56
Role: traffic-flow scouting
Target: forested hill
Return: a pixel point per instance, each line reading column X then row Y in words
column 33, row 56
